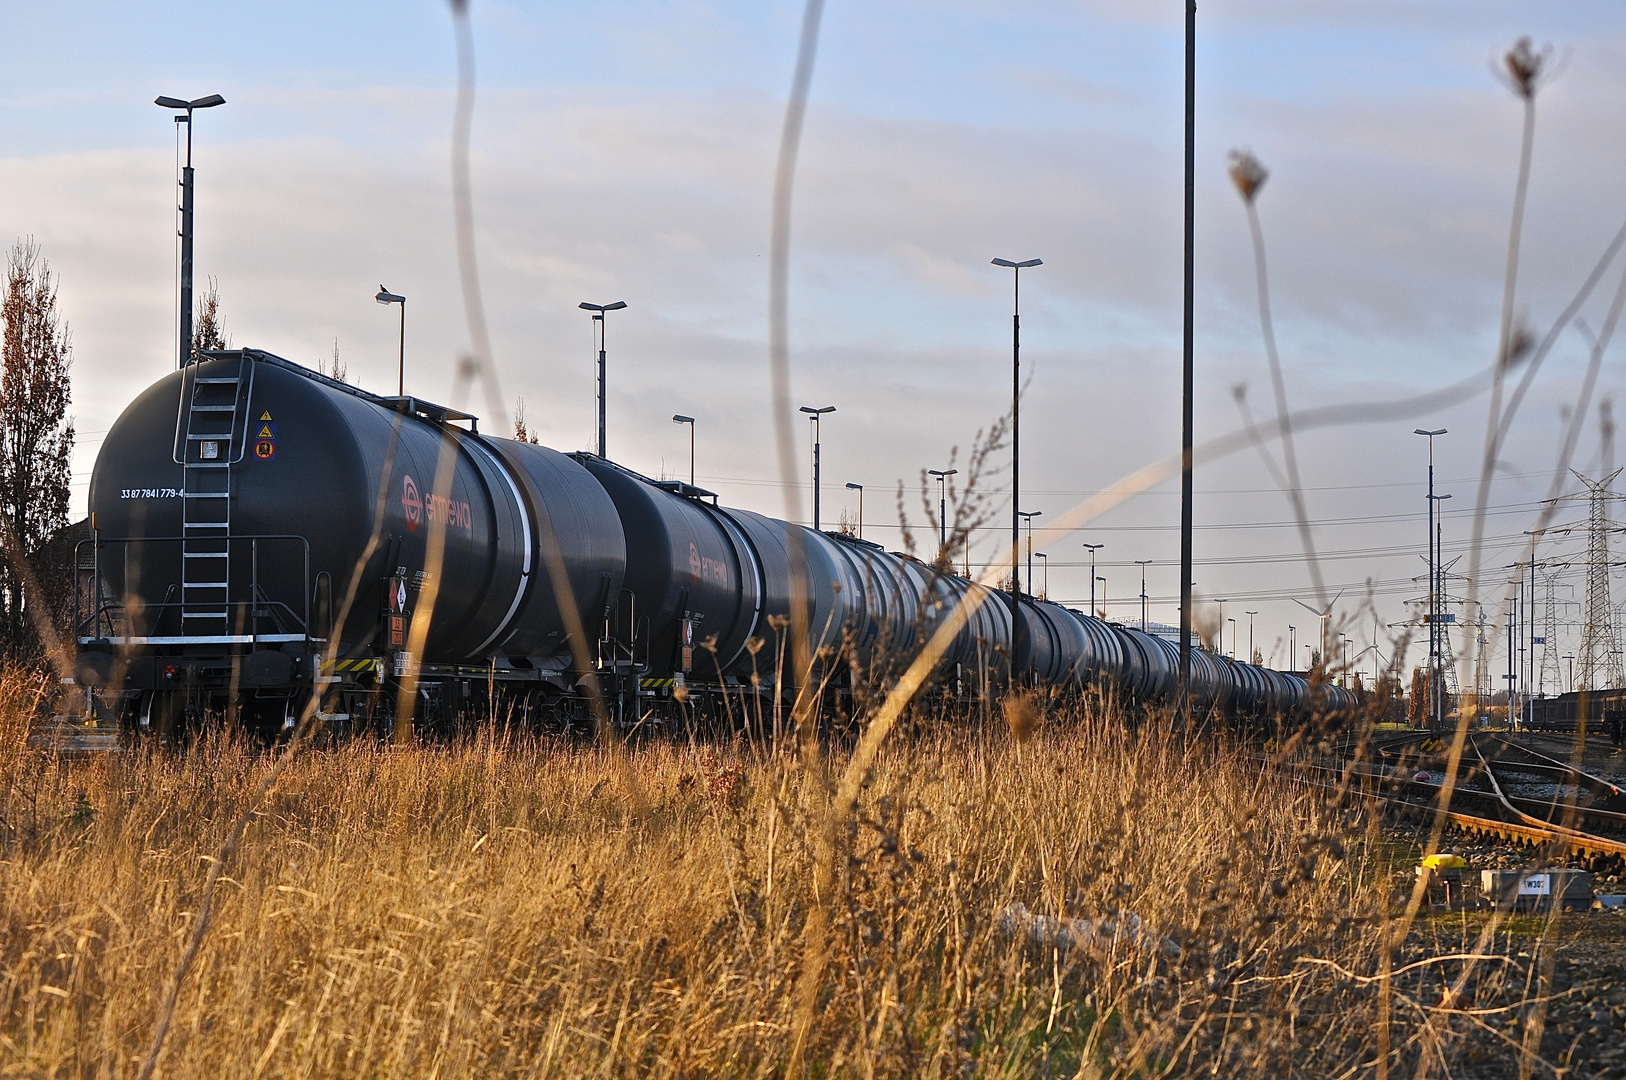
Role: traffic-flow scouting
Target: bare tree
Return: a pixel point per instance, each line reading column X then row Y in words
column 521, row 432
column 1419, row 711
column 207, row 330
column 36, row 432
column 335, row 368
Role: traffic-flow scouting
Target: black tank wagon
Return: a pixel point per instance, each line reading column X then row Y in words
column 260, row 530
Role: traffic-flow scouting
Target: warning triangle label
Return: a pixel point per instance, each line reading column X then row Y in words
column 266, row 415
column 265, row 433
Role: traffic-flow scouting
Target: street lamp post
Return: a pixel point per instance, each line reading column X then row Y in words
column 387, row 298
column 816, row 414
column 1250, row 615
column 186, row 210
column 599, row 311
column 1436, row 712
column 942, row 508
column 1292, row 644
column 1233, row 637
column 1044, row 589
column 1016, row 269
column 860, row 489
column 679, row 418
column 1570, row 657
column 1093, row 549
column 1143, row 564
column 1029, row 515
column 1103, row 582
column 1188, row 381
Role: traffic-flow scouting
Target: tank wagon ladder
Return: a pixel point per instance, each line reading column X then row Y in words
column 215, row 416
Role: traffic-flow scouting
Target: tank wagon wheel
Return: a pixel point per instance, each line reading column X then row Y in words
column 535, row 711
column 161, row 714
column 373, row 714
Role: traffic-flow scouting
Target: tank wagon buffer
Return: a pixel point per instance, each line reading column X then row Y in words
column 260, row 532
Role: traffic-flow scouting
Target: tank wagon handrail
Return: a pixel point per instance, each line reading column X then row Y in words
column 688, row 491
column 102, row 607
column 413, row 406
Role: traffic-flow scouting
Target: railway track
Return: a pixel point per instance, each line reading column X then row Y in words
column 1583, row 813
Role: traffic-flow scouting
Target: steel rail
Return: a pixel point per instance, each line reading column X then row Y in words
column 1573, row 840
column 1573, row 809
column 1593, row 780
column 1582, row 812
column 1528, row 830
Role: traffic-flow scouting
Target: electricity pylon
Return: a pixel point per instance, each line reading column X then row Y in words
column 1549, row 640
column 1600, row 649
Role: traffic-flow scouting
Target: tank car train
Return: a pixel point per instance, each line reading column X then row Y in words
column 260, row 530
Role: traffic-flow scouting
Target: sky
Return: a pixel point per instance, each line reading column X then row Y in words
column 626, row 152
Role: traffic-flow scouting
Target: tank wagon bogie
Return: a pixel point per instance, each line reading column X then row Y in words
column 260, row 531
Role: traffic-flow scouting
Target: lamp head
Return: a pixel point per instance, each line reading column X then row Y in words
column 1420, row 431
column 855, row 487
column 165, row 102
column 679, row 418
column 601, row 308
column 1018, row 265
column 386, row 297
column 818, row 412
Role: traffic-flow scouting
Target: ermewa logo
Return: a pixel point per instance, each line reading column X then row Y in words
column 439, row 508
column 410, row 502
column 705, row 568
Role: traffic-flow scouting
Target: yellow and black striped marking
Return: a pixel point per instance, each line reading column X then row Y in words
column 656, row 684
column 353, row 666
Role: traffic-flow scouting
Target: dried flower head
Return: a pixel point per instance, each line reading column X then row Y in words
column 1247, row 173
column 1021, row 716
column 1524, row 66
column 1521, row 339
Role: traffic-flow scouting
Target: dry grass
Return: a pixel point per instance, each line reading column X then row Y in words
column 533, row 908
